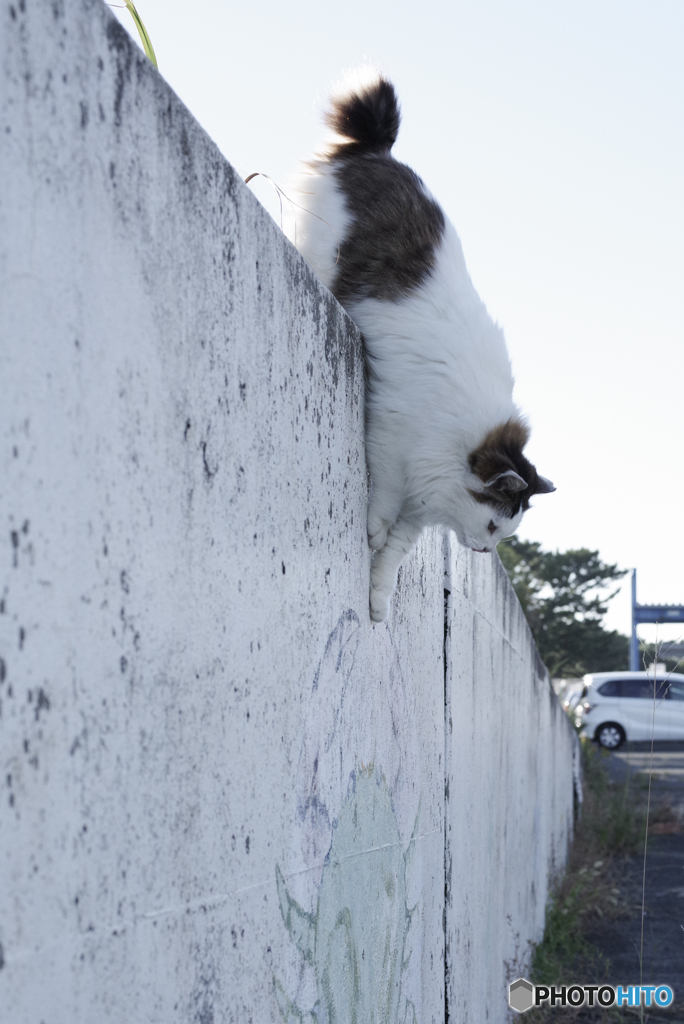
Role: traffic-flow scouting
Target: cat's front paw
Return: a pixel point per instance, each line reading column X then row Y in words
column 377, row 532
column 379, row 605
column 377, row 540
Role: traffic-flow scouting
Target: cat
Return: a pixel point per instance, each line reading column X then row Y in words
column 444, row 440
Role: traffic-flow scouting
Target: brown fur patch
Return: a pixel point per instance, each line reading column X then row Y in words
column 501, row 450
column 390, row 248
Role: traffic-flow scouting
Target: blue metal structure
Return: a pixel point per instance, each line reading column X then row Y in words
column 649, row 613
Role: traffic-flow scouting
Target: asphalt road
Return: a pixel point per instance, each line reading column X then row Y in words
column 668, row 768
column 620, row 940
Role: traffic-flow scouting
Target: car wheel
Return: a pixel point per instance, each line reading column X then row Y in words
column 610, row 735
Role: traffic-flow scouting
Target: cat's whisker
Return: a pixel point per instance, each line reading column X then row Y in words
column 279, row 190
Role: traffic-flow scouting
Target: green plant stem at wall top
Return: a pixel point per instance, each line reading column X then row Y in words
column 146, row 41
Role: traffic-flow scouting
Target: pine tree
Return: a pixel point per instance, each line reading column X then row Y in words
column 563, row 595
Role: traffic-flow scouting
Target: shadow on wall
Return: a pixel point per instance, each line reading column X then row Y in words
column 352, row 800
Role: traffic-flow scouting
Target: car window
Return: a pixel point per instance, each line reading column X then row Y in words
column 676, row 689
column 642, row 688
column 610, row 689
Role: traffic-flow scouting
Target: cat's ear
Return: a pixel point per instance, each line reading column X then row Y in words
column 543, row 486
column 509, row 480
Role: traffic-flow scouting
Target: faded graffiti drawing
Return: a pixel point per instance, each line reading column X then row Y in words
column 356, row 938
column 354, row 801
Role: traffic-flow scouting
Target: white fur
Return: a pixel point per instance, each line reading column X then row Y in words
column 439, row 380
column 320, row 219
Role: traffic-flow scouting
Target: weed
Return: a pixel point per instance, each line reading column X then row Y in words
column 142, row 31
column 613, row 821
column 612, row 826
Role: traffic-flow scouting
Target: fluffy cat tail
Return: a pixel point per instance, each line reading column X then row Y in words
column 365, row 117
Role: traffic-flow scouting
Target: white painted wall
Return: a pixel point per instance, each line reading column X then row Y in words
column 509, row 805
column 223, row 790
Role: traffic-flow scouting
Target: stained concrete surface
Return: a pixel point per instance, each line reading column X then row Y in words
column 509, row 806
column 197, row 716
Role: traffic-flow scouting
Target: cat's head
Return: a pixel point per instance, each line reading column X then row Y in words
column 502, row 481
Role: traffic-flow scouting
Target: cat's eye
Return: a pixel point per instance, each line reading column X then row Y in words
column 492, row 526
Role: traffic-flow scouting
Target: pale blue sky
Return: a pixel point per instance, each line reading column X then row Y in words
column 553, row 135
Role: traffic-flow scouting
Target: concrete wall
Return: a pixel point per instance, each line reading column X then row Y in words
column 509, row 803
column 222, row 788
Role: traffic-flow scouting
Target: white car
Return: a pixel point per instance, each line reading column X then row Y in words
column 571, row 699
column 619, row 706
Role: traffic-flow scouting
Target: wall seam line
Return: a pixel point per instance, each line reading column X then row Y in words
column 447, row 596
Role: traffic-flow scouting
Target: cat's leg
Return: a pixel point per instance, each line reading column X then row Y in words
column 400, row 539
column 379, row 524
column 384, row 507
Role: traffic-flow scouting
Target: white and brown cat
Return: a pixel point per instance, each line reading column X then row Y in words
column 444, row 439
